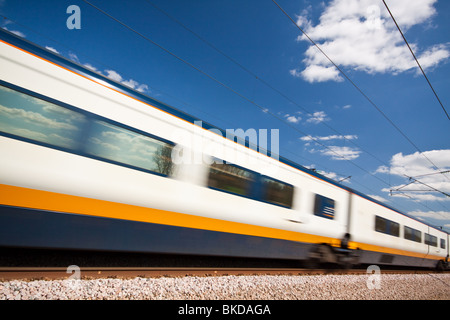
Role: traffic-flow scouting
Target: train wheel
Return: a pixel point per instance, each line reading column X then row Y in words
column 321, row 255
column 441, row 266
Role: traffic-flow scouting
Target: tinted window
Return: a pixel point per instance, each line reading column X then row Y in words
column 386, row 226
column 442, row 243
column 231, row 178
column 413, row 234
column 324, row 207
column 30, row 118
column 39, row 120
column 430, row 240
column 381, row 224
column 277, row 192
column 394, row 229
column 128, row 147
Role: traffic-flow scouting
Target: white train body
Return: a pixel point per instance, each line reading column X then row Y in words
column 83, row 194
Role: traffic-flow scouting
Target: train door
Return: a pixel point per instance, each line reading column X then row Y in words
column 447, row 245
column 431, row 240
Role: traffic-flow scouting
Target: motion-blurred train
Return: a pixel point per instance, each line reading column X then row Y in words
column 88, row 163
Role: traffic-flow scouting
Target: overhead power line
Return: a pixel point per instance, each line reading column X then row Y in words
column 421, row 190
column 331, row 150
column 358, row 88
column 235, row 92
column 258, row 78
column 417, row 61
column 261, row 80
column 430, row 174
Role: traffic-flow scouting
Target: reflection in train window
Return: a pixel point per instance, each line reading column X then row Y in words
column 430, row 240
column 324, row 207
column 442, row 243
column 39, row 120
column 277, row 192
column 387, row 226
column 130, row 148
column 413, row 234
column 231, row 178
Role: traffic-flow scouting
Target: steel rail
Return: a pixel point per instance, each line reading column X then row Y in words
column 86, row 273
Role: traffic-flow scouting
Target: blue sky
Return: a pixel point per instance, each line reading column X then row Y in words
column 324, row 122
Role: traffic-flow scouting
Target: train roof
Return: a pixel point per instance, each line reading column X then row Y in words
column 48, row 55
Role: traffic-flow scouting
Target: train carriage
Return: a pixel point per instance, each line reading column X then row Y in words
column 88, row 163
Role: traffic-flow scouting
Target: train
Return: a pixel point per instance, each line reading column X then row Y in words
column 88, row 163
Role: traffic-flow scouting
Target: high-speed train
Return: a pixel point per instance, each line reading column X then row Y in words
column 89, row 164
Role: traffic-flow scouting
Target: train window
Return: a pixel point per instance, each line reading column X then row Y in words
column 128, row 147
column 324, row 207
column 380, row 224
column 387, row 226
column 231, row 178
column 413, row 234
column 430, row 240
column 394, row 229
column 39, row 120
column 442, row 243
column 277, row 192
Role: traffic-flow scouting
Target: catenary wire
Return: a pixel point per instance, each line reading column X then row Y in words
column 230, row 88
column 279, row 119
column 153, row 88
column 260, row 79
column 417, row 61
column 237, row 93
column 321, row 165
column 358, row 88
column 265, row 82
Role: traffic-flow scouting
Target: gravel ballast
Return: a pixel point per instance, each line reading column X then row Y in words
column 322, row 287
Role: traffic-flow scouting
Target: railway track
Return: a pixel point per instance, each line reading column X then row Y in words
column 84, row 273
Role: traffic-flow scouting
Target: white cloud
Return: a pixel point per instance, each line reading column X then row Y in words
column 104, row 144
column 378, row 198
column 35, row 118
column 114, row 75
column 418, row 163
column 360, row 34
column 316, row 73
column 135, row 85
column 328, row 138
column 293, row 119
column 418, row 166
column 335, row 152
column 17, row 33
column 52, row 49
column 341, row 153
column 330, row 175
column 74, row 57
column 91, row 67
column 317, row 117
column 438, row 215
